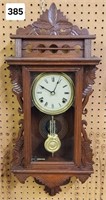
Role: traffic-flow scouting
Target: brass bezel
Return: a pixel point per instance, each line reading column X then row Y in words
column 45, row 110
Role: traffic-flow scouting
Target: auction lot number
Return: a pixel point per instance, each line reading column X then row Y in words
column 15, row 11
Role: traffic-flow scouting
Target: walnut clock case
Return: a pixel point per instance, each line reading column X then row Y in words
column 52, row 75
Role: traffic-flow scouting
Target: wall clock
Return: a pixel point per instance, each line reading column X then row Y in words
column 52, row 75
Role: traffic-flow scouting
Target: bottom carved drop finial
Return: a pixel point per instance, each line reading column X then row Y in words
column 52, row 191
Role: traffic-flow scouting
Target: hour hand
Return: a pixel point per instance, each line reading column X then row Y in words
column 45, row 88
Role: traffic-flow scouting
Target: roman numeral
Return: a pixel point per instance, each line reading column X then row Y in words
column 46, row 80
column 53, row 79
column 39, row 92
column 66, row 92
column 64, row 86
column 46, row 104
column 64, row 100
column 41, row 99
column 52, row 106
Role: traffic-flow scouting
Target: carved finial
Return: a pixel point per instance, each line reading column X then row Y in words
column 53, row 5
column 52, row 14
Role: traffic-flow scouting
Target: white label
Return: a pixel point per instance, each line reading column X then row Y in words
column 15, row 11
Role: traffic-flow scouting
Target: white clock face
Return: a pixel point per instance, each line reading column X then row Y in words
column 52, row 93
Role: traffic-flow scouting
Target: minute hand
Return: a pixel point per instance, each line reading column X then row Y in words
column 45, row 88
column 57, row 84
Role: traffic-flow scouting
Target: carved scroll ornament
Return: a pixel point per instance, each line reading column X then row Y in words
column 86, row 154
column 86, row 151
column 18, row 156
column 16, row 79
column 89, row 76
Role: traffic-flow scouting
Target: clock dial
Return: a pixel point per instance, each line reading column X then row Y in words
column 52, row 93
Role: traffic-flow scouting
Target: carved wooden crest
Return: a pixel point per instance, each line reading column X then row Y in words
column 52, row 22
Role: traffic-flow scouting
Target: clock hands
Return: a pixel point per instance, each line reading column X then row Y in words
column 53, row 91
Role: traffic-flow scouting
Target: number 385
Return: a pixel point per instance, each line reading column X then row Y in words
column 15, row 11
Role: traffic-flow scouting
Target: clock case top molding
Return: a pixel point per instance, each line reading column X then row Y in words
column 52, row 44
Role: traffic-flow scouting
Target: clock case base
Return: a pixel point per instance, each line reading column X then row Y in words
column 53, row 180
column 52, row 44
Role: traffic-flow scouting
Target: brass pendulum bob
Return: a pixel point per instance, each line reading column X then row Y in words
column 52, row 143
